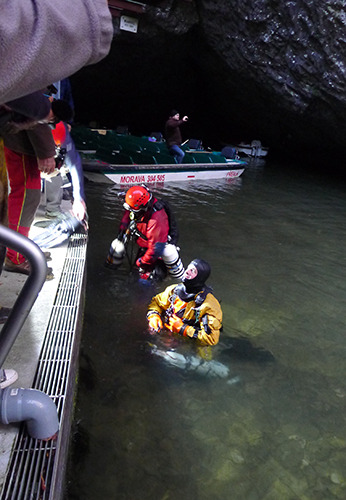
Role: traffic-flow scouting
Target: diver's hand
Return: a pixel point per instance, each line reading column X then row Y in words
column 155, row 322
column 46, row 165
column 143, row 268
column 175, row 324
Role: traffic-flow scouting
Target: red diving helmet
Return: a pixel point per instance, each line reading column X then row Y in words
column 137, row 198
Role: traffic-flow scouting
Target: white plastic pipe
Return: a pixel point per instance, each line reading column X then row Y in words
column 34, row 407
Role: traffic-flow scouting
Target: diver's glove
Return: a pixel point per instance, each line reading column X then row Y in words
column 154, row 321
column 143, row 268
column 176, row 324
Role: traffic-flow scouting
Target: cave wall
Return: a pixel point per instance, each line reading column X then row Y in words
column 267, row 69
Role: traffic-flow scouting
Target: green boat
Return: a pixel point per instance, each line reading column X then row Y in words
column 128, row 159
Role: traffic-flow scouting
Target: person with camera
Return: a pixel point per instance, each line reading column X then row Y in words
column 71, row 160
column 173, row 135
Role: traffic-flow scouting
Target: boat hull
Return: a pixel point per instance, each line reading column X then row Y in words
column 126, row 159
column 156, row 175
column 253, row 152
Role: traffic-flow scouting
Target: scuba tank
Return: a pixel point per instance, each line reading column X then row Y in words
column 116, row 254
column 172, row 260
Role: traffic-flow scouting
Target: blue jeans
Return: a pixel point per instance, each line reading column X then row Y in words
column 177, row 153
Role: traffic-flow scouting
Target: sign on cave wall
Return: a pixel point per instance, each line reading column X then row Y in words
column 129, row 24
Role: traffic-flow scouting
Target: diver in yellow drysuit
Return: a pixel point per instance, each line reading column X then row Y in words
column 189, row 309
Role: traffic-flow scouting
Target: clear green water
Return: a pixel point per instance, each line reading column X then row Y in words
column 143, row 430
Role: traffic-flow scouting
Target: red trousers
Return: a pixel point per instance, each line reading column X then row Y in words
column 24, row 196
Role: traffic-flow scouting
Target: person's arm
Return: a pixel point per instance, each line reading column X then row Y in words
column 73, row 162
column 124, row 223
column 160, row 302
column 45, row 41
column 43, row 144
column 35, row 106
column 175, row 123
column 210, row 323
column 157, row 233
column 24, row 113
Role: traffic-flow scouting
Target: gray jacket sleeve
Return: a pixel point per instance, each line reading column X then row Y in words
column 42, row 41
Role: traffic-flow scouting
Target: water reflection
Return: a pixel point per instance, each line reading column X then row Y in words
column 148, row 430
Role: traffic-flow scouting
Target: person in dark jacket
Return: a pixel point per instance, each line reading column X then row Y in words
column 173, row 135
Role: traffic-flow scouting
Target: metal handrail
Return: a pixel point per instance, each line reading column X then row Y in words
column 30, row 290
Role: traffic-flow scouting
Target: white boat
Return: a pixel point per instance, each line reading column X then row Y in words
column 126, row 159
column 253, row 150
column 153, row 174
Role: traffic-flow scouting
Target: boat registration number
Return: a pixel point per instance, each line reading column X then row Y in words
column 149, row 178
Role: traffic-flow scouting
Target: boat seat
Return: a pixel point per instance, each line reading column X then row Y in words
column 85, row 139
column 195, row 144
column 130, row 149
column 112, row 147
column 189, row 158
column 122, row 130
column 143, row 158
column 165, row 159
column 163, row 148
column 109, row 142
column 114, row 157
column 157, row 135
column 151, row 147
column 229, row 152
column 201, row 158
column 217, row 157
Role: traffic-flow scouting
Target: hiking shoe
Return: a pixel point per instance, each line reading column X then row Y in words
column 54, row 215
column 11, row 267
column 24, row 268
column 50, row 275
column 4, row 314
column 47, row 256
column 7, row 377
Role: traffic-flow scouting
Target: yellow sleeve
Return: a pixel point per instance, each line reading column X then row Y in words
column 210, row 322
column 160, row 303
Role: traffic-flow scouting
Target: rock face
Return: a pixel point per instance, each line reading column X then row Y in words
column 273, row 70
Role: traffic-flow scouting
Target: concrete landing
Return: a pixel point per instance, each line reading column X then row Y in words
column 26, row 350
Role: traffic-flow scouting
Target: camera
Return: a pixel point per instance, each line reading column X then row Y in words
column 59, row 157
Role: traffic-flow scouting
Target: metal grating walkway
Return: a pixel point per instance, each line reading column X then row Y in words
column 36, row 469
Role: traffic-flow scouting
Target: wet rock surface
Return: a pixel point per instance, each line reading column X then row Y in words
column 253, row 69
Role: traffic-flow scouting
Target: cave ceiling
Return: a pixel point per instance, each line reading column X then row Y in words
column 241, row 70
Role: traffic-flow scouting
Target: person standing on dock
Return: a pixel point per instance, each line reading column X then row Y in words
column 173, row 135
column 28, row 152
